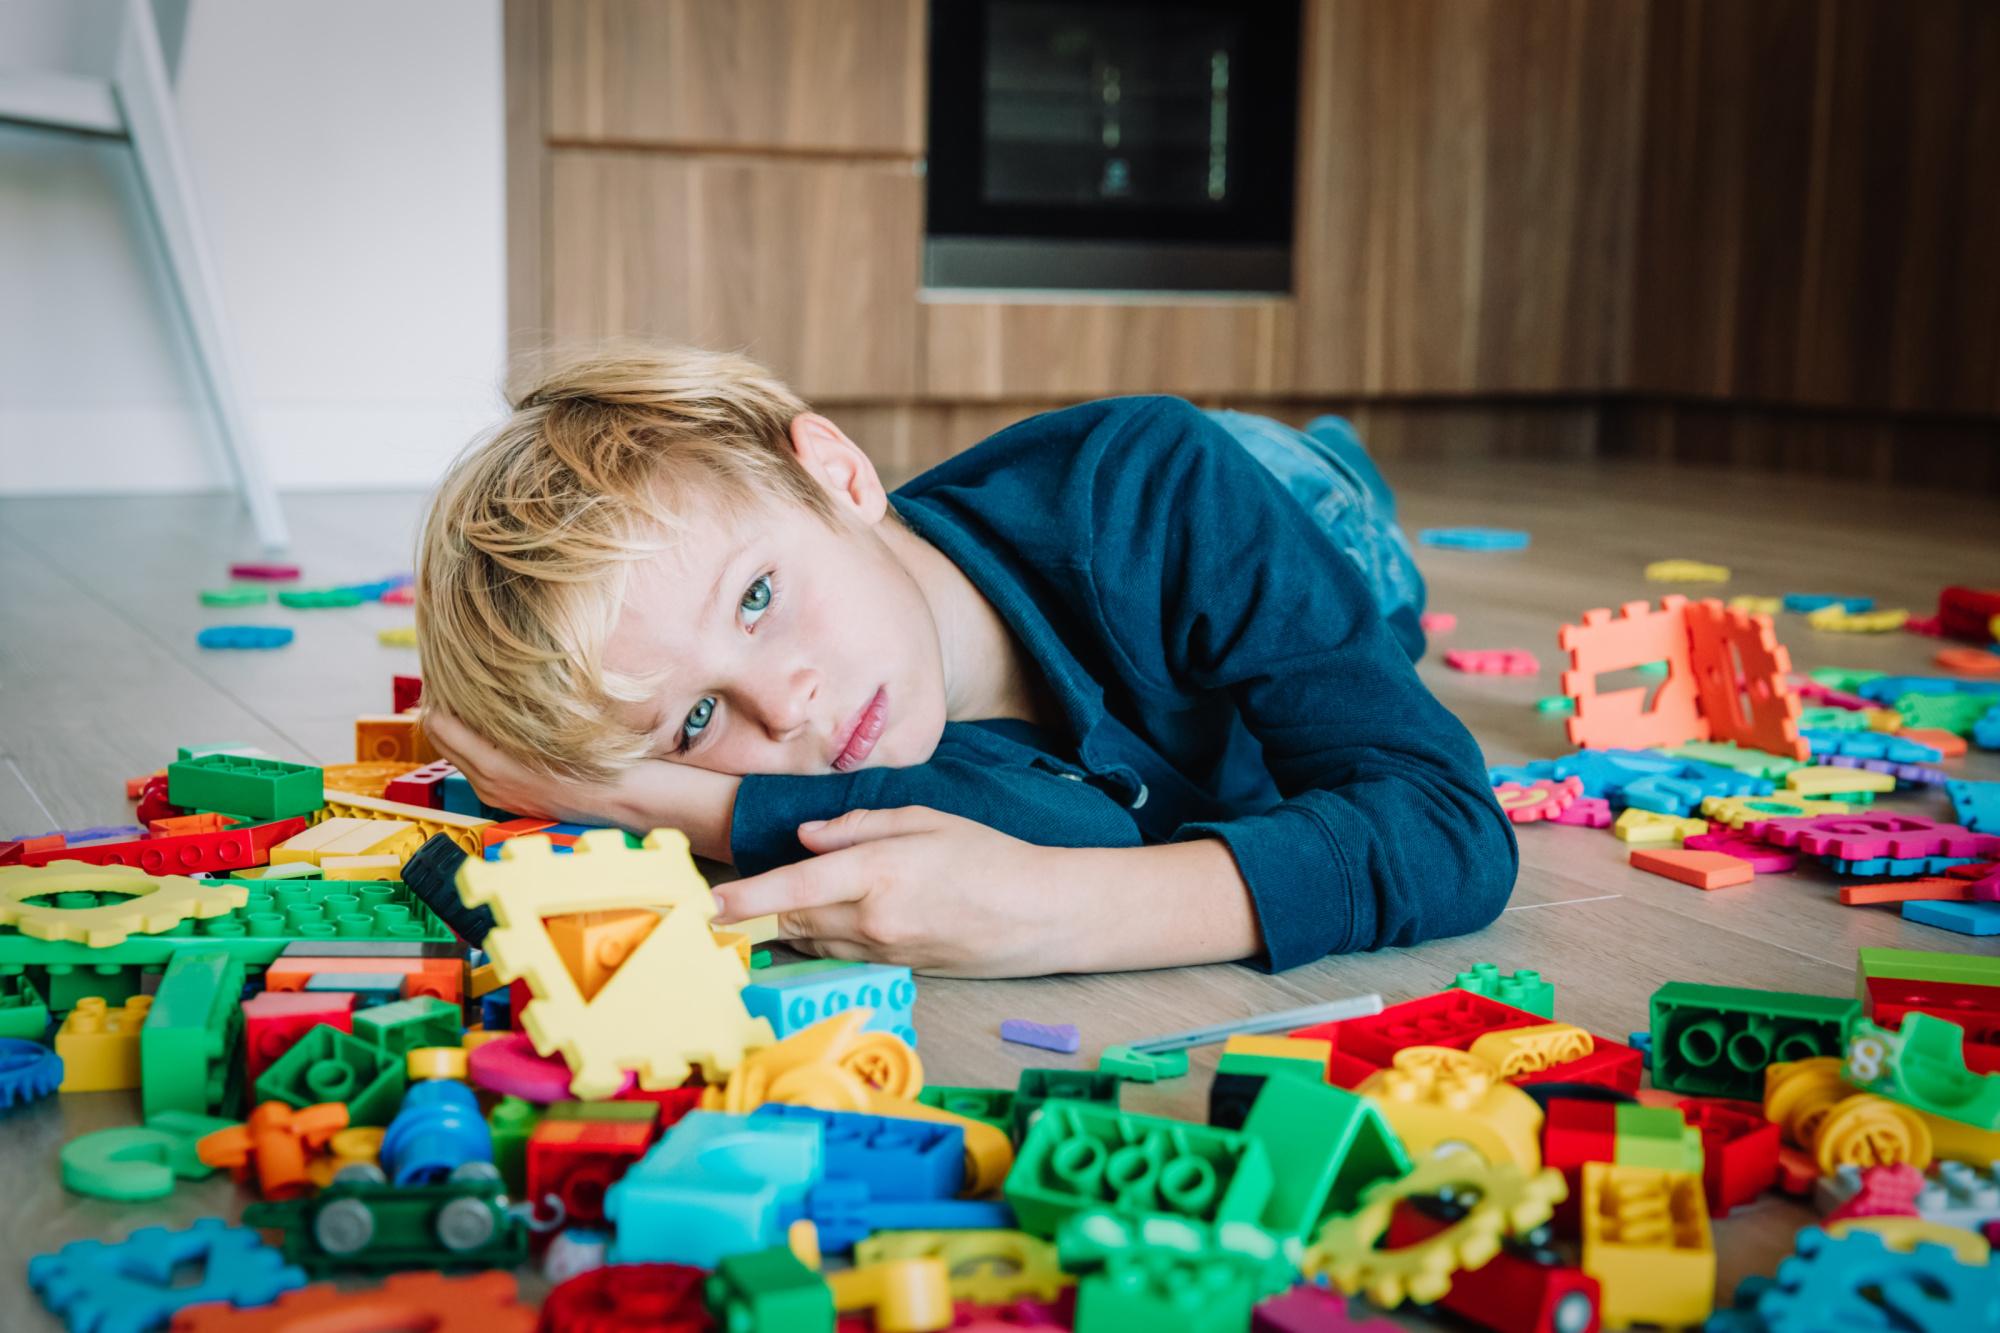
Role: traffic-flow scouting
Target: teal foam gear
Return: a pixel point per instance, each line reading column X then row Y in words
column 29, row 1072
column 245, row 787
column 1858, row 1282
column 190, row 1049
column 1716, row 1041
column 129, row 1287
column 1524, row 989
column 714, row 1186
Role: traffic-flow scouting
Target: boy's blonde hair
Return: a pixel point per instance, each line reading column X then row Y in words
column 521, row 567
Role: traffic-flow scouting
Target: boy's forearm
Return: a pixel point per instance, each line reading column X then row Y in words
column 699, row 803
column 1162, row 906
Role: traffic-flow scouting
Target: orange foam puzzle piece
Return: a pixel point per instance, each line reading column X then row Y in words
column 1755, row 708
column 1704, row 870
column 480, row 1303
column 1621, row 719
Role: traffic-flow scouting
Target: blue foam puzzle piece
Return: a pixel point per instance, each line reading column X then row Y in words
column 1886, row 690
column 1964, row 918
column 1813, row 601
column 1858, row 1282
column 1870, row 745
column 1475, row 539
column 244, row 636
column 1976, row 804
column 1877, row 867
column 131, row 1287
column 1986, row 731
column 1535, row 770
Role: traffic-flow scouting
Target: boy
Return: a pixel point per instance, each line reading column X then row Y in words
column 1095, row 694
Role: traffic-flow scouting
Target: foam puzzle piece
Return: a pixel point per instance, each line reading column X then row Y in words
column 1805, row 603
column 244, row 636
column 1761, row 856
column 1541, row 800
column 1870, row 745
column 1493, row 661
column 1643, row 828
column 1741, row 675
column 1686, row 571
column 1475, row 539
column 1906, row 775
column 1437, row 622
column 132, row 1286
column 1860, row 836
column 1976, row 804
column 1961, row 918
column 1622, row 718
column 1839, row 620
column 1586, row 812
column 1702, row 869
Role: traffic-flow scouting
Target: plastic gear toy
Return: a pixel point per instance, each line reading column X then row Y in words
column 1857, row 1281
column 129, row 1287
column 29, row 1071
column 676, row 1000
column 1537, row 801
column 149, row 904
column 1510, row 1203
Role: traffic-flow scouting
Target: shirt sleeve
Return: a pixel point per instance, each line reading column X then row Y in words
column 1387, row 832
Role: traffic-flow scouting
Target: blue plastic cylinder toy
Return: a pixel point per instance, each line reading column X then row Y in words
column 438, row 1130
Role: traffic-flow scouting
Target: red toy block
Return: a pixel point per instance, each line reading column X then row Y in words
column 1740, row 672
column 153, row 802
column 10, row 852
column 1976, row 1010
column 273, row 1022
column 1515, row 1291
column 184, row 854
column 627, row 1298
column 440, row 977
column 1610, row 1064
column 1621, row 719
column 673, row 1102
column 1575, row 1131
column 206, row 822
column 1739, row 1150
column 1454, row 1018
column 407, row 693
column 1761, row 856
column 572, row 1162
column 1967, row 613
column 421, row 786
column 494, row 834
column 1704, row 870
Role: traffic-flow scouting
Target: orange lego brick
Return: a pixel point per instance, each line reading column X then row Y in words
column 594, row 945
column 397, row 737
column 480, row 1303
column 441, row 977
column 1623, row 719
column 1704, row 870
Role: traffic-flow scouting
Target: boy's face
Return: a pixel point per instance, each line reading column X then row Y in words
column 781, row 645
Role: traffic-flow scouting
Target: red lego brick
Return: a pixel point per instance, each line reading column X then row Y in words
column 153, row 802
column 183, row 854
column 673, row 1102
column 1967, row 613
column 572, row 1162
column 443, row 978
column 1576, row 1131
column 1739, row 1150
column 10, row 852
column 1454, row 1018
column 408, row 692
column 421, row 786
column 1513, row 1292
column 493, row 834
column 1976, row 1009
column 1610, row 1064
column 629, row 1298
column 273, row 1022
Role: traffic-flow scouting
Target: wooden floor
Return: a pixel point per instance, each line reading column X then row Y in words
column 100, row 679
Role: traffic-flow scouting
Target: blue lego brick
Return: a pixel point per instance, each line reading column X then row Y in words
column 1475, row 539
column 897, row 1159
column 1977, row 804
column 136, row 1285
column 794, row 996
column 1806, row 602
column 843, row 1212
column 458, row 796
column 1963, row 918
column 496, row 1011
column 714, row 1186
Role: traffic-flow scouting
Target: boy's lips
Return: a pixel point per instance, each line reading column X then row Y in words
column 859, row 736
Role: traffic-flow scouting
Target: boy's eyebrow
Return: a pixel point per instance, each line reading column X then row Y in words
column 715, row 588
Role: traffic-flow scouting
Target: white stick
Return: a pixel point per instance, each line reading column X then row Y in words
column 1360, row 1006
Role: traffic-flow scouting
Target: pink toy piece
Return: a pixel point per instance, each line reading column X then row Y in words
column 1586, row 812
column 267, row 573
column 1864, row 837
column 1310, row 1309
column 1493, row 661
column 1813, row 692
column 1931, row 627
column 1762, row 856
column 1985, row 877
column 1438, row 622
column 1537, row 800
column 509, row 1065
column 403, row 596
column 1886, row 1191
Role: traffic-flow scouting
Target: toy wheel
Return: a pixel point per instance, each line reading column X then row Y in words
column 481, row 1171
column 343, row 1227
column 360, row 1173
column 1574, row 1313
column 1865, row 1130
column 884, row 1064
column 464, row 1224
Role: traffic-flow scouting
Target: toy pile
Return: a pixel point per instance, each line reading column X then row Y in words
column 434, row 1043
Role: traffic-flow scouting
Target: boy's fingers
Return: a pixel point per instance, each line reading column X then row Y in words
column 858, row 826
column 820, row 882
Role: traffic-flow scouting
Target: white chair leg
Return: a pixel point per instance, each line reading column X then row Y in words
column 147, row 105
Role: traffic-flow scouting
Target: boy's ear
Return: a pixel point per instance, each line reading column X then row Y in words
column 838, row 464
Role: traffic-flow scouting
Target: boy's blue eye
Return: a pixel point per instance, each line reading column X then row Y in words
column 697, row 719
column 757, row 599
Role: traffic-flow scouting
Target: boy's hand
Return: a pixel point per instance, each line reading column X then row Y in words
column 914, row 886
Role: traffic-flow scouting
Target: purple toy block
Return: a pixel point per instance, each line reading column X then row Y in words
column 1062, row 1038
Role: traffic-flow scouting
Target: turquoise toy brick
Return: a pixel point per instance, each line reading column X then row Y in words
column 714, row 1186
column 1078, row 1155
column 1716, row 1041
column 190, row 1047
column 794, row 996
column 1524, row 989
column 1326, row 1145
column 328, row 1065
column 1075, row 1085
column 23, row 1011
column 400, row 1028
column 249, row 788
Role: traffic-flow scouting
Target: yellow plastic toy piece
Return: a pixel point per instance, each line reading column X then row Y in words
column 1736, row 811
column 594, row 945
column 1282, row 1048
column 1840, row 620
column 676, row 1003
column 1645, row 828
column 360, row 779
column 358, row 1145
column 1757, row 606
column 349, row 836
column 424, row 1062
column 1646, row 1240
column 1514, row 1051
column 1438, row 1100
column 99, row 1045
column 906, row 1295
column 730, row 939
column 1885, row 720
column 1956, row 1141
column 1686, row 571
column 1906, row 1233
column 1819, row 1111
column 484, row 980
column 759, row 929
column 986, row 1267
column 370, row 868
column 1818, row 781
column 835, row 1066
column 399, row 636
column 461, row 829
column 1511, row 1202
column 148, row 905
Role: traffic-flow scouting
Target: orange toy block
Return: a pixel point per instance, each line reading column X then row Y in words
column 277, row 1144
column 1621, row 719
column 1947, row 743
column 594, row 945
column 1754, row 706
column 480, row 1303
column 1704, row 870
column 208, row 822
column 441, row 977
column 397, row 737
column 1935, row 889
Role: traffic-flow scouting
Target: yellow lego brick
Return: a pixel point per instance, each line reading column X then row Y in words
column 1644, row 828
column 392, row 738
column 1646, row 1240
column 1736, row 811
column 1435, row 1095
column 461, row 829
column 367, row 868
column 485, row 980
column 1838, row 781
column 349, row 837
column 1282, row 1048
column 99, row 1046
column 988, row 1267
column 361, row 779
column 310, row 845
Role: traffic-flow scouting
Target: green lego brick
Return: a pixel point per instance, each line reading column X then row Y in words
column 1039, row 1085
column 65, row 983
column 1922, row 1065
column 1326, row 1145
column 1524, row 989
column 760, row 959
column 1140, row 1066
column 992, row 1106
column 1236, row 1062
column 512, row 1120
column 1715, row 1041
column 457, row 1224
column 633, row 1111
column 769, row 1291
column 23, row 1011
column 1923, row 965
column 1168, row 1273
column 328, row 1065
column 1657, row 1136
column 1080, row 1155
column 190, row 1047
column 251, row 788
column 400, row 1028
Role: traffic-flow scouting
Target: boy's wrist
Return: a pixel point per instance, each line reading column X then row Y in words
column 698, row 802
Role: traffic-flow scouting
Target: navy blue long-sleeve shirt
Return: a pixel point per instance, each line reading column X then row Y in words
column 1222, row 672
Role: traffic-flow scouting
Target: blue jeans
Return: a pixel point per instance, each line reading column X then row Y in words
column 1326, row 468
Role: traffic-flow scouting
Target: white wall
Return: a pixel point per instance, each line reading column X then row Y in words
column 348, row 159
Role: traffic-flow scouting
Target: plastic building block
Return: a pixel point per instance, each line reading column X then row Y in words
column 1492, row 661
column 1475, row 539
column 767, row 1291
column 1922, row 1064
column 186, row 854
column 99, row 1045
column 29, row 1072
column 1926, row 965
column 376, row 980
column 1657, row 1136
column 594, row 945
column 1646, row 1240
column 407, row 1024
column 362, row 1223
column 23, row 1011
column 474, row 1303
column 1516, row 1051
column 1036, row 1086
column 991, row 1106
column 1586, row 812
column 1139, row 1067
column 406, row 692
column 1167, row 1273
column 1536, row 801
column 392, row 737
column 509, row 1065
column 348, row 837
column 1819, row 1112
column 571, row 1163
column 131, row 1286
column 1877, row 1191
column 714, row 1186
column 1717, row 1041
column 140, row 903
column 900, row 1294
column 244, row 636
column 676, row 1000
column 438, row 1130
column 431, row 874
column 990, row 1267
column 328, row 1065
column 1702, row 869
column 1059, row 1037
column 897, row 1159
column 1760, row 856
column 1521, row 1289
column 1860, row 1281
column 627, row 1298
column 250, row 788
column 1326, row 1146
column 421, row 786
column 234, row 596
column 274, row 1145
column 421, row 1063
column 135, row 1162
column 462, row 829
column 1078, row 1155
column 1434, row 1095
column 1509, row 1202
column 1739, row 1151
column 1644, row 828
column 264, row 572
column 793, row 996
column 1312, row 1052
column 511, row 1121
column 1309, row 1308
column 188, row 1045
